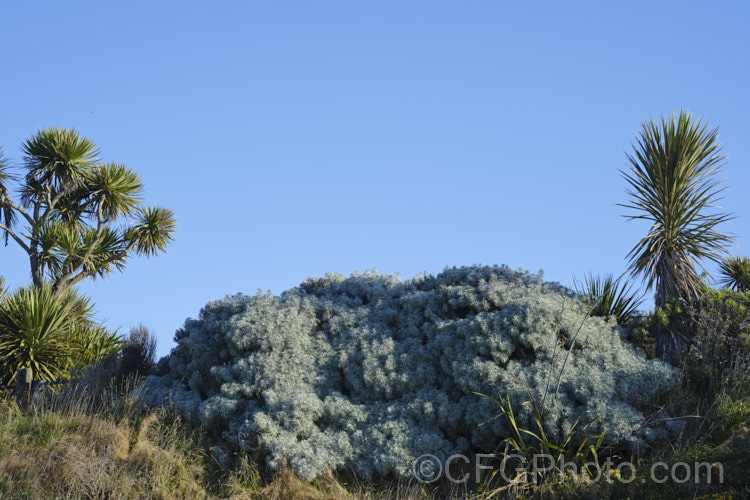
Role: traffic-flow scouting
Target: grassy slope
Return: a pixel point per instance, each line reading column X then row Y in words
column 75, row 455
column 127, row 452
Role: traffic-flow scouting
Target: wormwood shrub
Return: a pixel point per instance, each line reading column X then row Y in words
column 369, row 372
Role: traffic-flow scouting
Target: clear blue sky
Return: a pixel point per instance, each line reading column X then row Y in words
column 296, row 138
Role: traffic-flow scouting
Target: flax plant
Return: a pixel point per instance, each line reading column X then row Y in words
column 51, row 333
column 735, row 273
column 607, row 296
column 527, row 446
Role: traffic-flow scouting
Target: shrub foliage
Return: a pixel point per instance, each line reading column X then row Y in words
column 138, row 352
column 370, row 372
column 716, row 329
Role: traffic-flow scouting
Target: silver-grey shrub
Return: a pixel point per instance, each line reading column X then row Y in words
column 369, row 372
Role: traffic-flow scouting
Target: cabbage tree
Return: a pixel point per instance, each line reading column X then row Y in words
column 672, row 184
column 76, row 216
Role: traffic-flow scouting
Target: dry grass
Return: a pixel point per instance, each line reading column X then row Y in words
column 89, row 442
column 73, row 455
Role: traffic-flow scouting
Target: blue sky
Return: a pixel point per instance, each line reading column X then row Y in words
column 296, row 138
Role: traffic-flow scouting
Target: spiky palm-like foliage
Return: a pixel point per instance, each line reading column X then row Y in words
column 672, row 183
column 49, row 332
column 735, row 273
column 610, row 297
column 72, row 204
column 33, row 331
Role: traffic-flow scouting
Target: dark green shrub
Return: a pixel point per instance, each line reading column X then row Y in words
column 716, row 329
column 714, row 389
column 138, row 356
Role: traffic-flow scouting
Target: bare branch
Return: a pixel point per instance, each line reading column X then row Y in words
column 665, row 420
column 554, row 353
column 573, row 342
column 62, row 286
column 36, row 273
column 77, row 264
column 51, row 202
column 19, row 209
column 15, row 237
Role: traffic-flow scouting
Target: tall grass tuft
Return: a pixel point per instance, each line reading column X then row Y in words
column 96, row 440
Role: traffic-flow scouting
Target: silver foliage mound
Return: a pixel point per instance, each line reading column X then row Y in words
column 370, row 372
